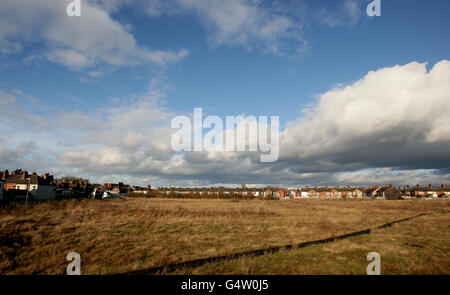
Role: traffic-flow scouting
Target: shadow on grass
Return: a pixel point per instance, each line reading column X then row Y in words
column 199, row 262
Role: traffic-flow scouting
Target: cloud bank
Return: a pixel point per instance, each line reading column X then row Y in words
column 391, row 126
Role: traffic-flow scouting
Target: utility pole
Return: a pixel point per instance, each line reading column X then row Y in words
column 28, row 189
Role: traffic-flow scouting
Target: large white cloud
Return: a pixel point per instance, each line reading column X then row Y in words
column 92, row 39
column 396, row 116
column 391, row 126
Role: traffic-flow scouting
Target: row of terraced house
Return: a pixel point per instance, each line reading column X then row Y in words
column 375, row 192
column 281, row 193
column 20, row 185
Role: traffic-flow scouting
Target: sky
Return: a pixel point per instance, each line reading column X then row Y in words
column 361, row 100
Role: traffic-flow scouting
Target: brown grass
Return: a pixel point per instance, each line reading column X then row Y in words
column 126, row 234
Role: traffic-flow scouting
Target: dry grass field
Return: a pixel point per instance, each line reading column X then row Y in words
column 128, row 234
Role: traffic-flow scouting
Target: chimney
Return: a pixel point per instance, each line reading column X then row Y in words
column 407, row 186
column 442, row 185
column 430, row 186
column 24, row 174
column 5, row 174
column 418, row 186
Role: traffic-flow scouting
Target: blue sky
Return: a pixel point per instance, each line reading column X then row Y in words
column 231, row 80
column 228, row 57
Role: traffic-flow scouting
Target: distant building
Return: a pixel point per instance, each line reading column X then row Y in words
column 20, row 184
column 388, row 192
column 72, row 187
column 357, row 193
column 281, row 193
column 430, row 192
column 372, row 191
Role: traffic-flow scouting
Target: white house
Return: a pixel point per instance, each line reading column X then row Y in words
column 35, row 186
column 106, row 195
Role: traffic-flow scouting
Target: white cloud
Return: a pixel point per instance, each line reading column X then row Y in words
column 68, row 58
column 347, row 13
column 391, row 176
column 95, row 74
column 92, row 39
column 96, row 38
column 246, row 23
column 391, row 126
column 394, row 116
column 6, row 98
column 25, row 95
